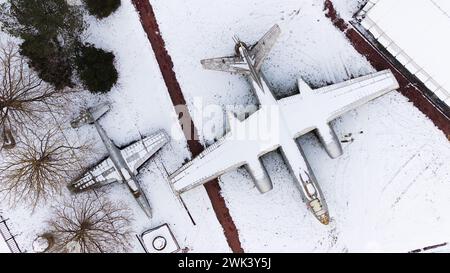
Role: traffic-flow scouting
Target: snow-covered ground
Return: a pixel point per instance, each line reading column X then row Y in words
column 3, row 246
column 348, row 8
column 430, row 18
column 389, row 192
column 140, row 105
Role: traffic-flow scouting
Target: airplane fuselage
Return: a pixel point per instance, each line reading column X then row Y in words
column 294, row 157
column 277, row 124
column 124, row 170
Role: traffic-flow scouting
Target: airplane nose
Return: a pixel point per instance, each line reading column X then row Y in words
column 320, row 212
column 324, row 219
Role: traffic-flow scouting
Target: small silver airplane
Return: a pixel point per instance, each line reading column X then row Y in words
column 311, row 110
column 121, row 165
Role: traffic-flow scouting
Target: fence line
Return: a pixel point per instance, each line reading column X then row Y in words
column 9, row 238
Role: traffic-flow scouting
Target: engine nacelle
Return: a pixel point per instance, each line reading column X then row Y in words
column 260, row 176
column 330, row 141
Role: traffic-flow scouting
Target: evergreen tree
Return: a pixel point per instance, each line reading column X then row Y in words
column 51, row 31
column 101, row 9
column 96, row 69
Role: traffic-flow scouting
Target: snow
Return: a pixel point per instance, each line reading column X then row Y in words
column 348, row 8
column 140, row 106
column 388, row 192
column 210, row 35
column 430, row 18
column 3, row 246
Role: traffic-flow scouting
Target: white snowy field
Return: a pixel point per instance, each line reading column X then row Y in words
column 348, row 8
column 388, row 192
column 140, row 105
column 3, row 246
column 430, row 18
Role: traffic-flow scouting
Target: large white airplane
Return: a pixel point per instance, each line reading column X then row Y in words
column 277, row 124
column 121, row 165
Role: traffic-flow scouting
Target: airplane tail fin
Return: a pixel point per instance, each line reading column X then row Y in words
column 236, row 64
column 262, row 48
column 90, row 115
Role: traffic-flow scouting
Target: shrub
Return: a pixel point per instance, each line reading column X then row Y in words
column 96, row 69
column 51, row 63
column 102, row 8
column 51, row 32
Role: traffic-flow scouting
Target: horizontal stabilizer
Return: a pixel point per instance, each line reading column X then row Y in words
column 235, row 65
column 261, row 49
column 90, row 115
column 100, row 110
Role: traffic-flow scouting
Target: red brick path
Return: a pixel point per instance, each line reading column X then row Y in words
column 150, row 25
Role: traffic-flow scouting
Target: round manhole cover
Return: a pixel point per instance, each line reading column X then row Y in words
column 159, row 243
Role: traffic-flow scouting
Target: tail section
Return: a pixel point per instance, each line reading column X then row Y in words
column 261, row 50
column 239, row 64
column 234, row 65
column 90, row 115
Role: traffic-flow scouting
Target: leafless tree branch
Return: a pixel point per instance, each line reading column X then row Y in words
column 88, row 224
column 24, row 97
column 39, row 167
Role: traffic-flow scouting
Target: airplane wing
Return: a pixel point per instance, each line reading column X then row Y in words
column 233, row 64
column 211, row 163
column 335, row 100
column 138, row 153
column 261, row 49
column 351, row 94
column 103, row 174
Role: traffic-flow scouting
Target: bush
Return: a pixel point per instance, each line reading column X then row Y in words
column 102, row 8
column 51, row 32
column 51, row 63
column 96, row 69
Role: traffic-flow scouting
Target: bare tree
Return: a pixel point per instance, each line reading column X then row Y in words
column 39, row 167
column 90, row 224
column 24, row 97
